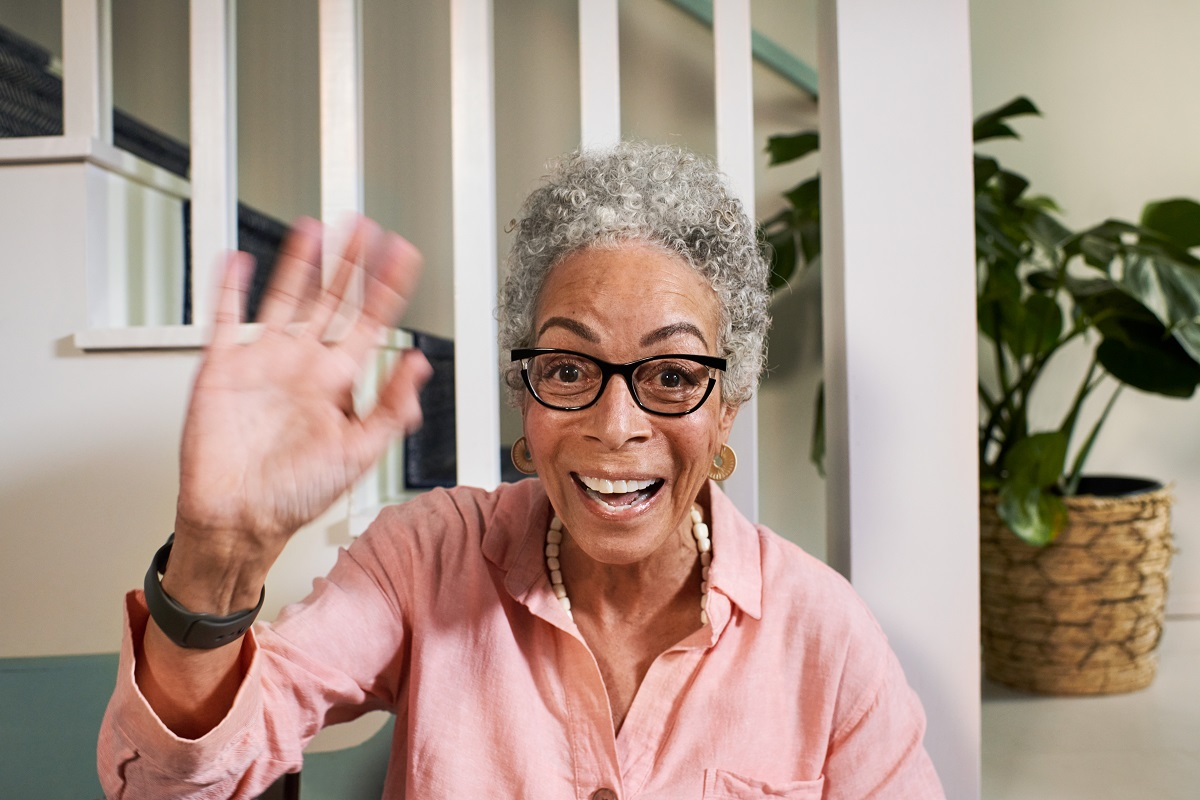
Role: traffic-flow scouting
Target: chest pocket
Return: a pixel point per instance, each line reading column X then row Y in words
column 722, row 785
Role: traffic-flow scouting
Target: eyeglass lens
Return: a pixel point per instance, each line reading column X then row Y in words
column 670, row 385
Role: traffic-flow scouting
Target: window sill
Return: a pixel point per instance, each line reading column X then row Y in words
column 188, row 337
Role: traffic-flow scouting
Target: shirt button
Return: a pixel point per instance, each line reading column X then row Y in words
column 604, row 794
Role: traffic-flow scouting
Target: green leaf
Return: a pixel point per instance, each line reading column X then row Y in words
column 1033, row 514
column 1041, row 226
column 806, row 198
column 1042, row 203
column 1001, row 315
column 1011, row 186
column 996, row 237
column 1137, row 348
column 782, row 259
column 985, row 168
column 1099, row 244
column 1042, row 280
column 789, row 147
column 1042, row 325
column 1100, row 302
column 1098, row 252
column 1177, row 220
column 809, row 232
column 990, row 125
column 1164, row 369
column 1037, row 460
column 1169, row 286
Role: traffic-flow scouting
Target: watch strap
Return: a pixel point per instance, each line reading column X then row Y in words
column 183, row 627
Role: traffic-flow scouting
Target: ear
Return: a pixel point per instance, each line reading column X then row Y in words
column 725, row 425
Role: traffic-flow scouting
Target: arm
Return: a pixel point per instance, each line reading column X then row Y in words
column 271, row 439
column 326, row 660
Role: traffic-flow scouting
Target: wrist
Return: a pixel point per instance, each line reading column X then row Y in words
column 211, row 573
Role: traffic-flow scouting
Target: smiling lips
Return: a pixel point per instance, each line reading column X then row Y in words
column 619, row 493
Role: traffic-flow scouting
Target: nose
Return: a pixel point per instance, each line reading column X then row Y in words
column 616, row 417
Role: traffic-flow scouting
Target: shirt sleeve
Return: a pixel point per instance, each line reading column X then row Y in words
column 332, row 657
column 877, row 751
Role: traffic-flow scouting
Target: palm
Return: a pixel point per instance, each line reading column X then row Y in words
column 271, row 438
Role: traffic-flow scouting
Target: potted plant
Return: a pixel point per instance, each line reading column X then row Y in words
column 1074, row 567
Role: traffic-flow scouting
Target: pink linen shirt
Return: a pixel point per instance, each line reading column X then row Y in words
column 443, row 614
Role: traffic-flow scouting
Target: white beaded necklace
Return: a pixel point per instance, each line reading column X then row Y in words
column 554, row 538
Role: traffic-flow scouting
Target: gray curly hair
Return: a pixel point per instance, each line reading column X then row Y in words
column 659, row 194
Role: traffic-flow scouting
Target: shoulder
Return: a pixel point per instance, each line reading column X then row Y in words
column 451, row 526
column 828, row 619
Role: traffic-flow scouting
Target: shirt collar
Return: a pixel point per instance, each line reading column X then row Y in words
column 736, row 570
column 513, row 539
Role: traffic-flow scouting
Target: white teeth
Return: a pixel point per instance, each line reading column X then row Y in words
column 605, row 486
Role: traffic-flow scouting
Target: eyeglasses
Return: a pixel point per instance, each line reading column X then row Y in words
column 669, row 385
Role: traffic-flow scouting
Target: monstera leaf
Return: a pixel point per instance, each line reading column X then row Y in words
column 1028, row 502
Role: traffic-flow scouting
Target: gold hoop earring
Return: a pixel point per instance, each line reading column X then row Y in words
column 521, row 458
column 724, row 463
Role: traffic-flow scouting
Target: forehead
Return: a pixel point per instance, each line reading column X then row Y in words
column 627, row 291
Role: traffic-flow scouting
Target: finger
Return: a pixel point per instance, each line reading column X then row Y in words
column 297, row 272
column 231, row 298
column 390, row 280
column 398, row 407
column 397, row 411
column 361, row 236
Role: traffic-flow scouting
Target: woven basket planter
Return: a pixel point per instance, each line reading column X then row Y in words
column 1084, row 614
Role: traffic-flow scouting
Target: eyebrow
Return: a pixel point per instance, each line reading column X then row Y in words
column 577, row 328
column 654, row 337
column 668, row 331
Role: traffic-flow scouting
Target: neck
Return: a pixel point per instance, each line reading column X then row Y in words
column 627, row 592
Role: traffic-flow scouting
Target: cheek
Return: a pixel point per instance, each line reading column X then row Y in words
column 700, row 444
column 541, row 434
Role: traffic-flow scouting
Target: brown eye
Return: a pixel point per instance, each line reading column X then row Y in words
column 567, row 373
column 670, row 379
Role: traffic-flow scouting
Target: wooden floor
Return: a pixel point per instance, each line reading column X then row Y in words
column 1141, row 746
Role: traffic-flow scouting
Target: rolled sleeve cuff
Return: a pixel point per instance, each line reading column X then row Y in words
column 132, row 737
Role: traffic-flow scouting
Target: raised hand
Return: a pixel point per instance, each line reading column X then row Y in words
column 271, row 437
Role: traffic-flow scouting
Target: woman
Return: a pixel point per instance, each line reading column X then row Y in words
column 613, row 628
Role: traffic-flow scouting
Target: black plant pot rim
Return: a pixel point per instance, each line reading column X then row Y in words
column 1115, row 486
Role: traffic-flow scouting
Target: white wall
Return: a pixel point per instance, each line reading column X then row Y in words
column 1117, row 86
column 87, row 442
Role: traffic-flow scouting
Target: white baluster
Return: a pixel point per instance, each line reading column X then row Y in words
column 473, row 163
column 599, row 74
column 87, row 68
column 213, row 82
column 735, row 155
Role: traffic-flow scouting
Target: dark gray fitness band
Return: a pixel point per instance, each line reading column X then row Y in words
column 195, row 631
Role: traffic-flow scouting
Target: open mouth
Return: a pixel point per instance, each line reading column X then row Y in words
column 620, row 493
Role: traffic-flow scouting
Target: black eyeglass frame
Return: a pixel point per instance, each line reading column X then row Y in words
column 608, row 369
